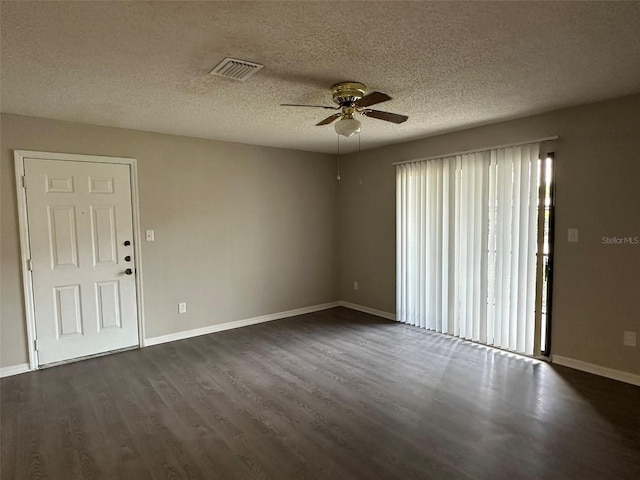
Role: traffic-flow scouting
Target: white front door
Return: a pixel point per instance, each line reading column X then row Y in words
column 81, row 240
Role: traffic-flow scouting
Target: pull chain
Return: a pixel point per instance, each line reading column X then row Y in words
column 359, row 147
column 338, row 136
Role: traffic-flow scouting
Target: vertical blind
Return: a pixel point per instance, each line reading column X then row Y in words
column 466, row 245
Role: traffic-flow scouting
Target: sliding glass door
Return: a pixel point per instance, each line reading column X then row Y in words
column 468, row 237
column 547, row 214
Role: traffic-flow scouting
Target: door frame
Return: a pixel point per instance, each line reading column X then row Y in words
column 25, row 254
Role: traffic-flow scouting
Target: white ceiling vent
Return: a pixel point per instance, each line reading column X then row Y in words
column 236, row 69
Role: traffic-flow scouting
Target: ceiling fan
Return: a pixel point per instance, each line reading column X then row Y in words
column 351, row 99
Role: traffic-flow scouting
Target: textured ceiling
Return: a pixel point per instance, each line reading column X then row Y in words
column 448, row 65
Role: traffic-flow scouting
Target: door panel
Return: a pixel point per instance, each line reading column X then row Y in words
column 63, row 236
column 104, row 235
column 108, row 301
column 79, row 217
column 67, row 310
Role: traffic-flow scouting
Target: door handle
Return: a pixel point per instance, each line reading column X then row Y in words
column 128, row 271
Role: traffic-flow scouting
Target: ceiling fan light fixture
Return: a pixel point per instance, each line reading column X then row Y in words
column 347, row 126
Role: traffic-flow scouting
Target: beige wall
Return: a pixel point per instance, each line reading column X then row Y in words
column 597, row 287
column 241, row 231
column 245, row 231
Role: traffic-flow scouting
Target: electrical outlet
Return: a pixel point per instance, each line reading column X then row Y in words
column 630, row 339
column 182, row 307
column 355, row 285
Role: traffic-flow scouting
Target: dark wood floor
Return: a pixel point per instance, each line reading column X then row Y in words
column 331, row 395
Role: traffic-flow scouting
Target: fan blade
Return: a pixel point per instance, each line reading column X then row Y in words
column 330, row 119
column 315, row 106
column 372, row 98
column 389, row 117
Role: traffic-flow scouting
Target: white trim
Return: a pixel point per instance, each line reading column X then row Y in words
column 619, row 375
column 372, row 311
column 71, row 157
column 25, row 254
column 172, row 337
column 476, row 150
column 137, row 249
column 14, row 370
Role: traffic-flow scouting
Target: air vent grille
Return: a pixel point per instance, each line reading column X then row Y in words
column 236, row 69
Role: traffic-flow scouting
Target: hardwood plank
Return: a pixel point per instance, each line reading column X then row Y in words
column 336, row 394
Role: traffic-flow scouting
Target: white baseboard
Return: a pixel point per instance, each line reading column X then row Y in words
column 372, row 311
column 619, row 375
column 14, row 370
column 236, row 324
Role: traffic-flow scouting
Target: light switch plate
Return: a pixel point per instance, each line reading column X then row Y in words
column 150, row 235
column 573, row 235
column 630, row 339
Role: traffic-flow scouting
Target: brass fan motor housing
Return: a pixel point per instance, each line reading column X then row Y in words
column 346, row 94
column 351, row 98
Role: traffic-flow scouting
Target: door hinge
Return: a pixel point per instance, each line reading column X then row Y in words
column 35, row 344
column 24, row 181
column 30, row 265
